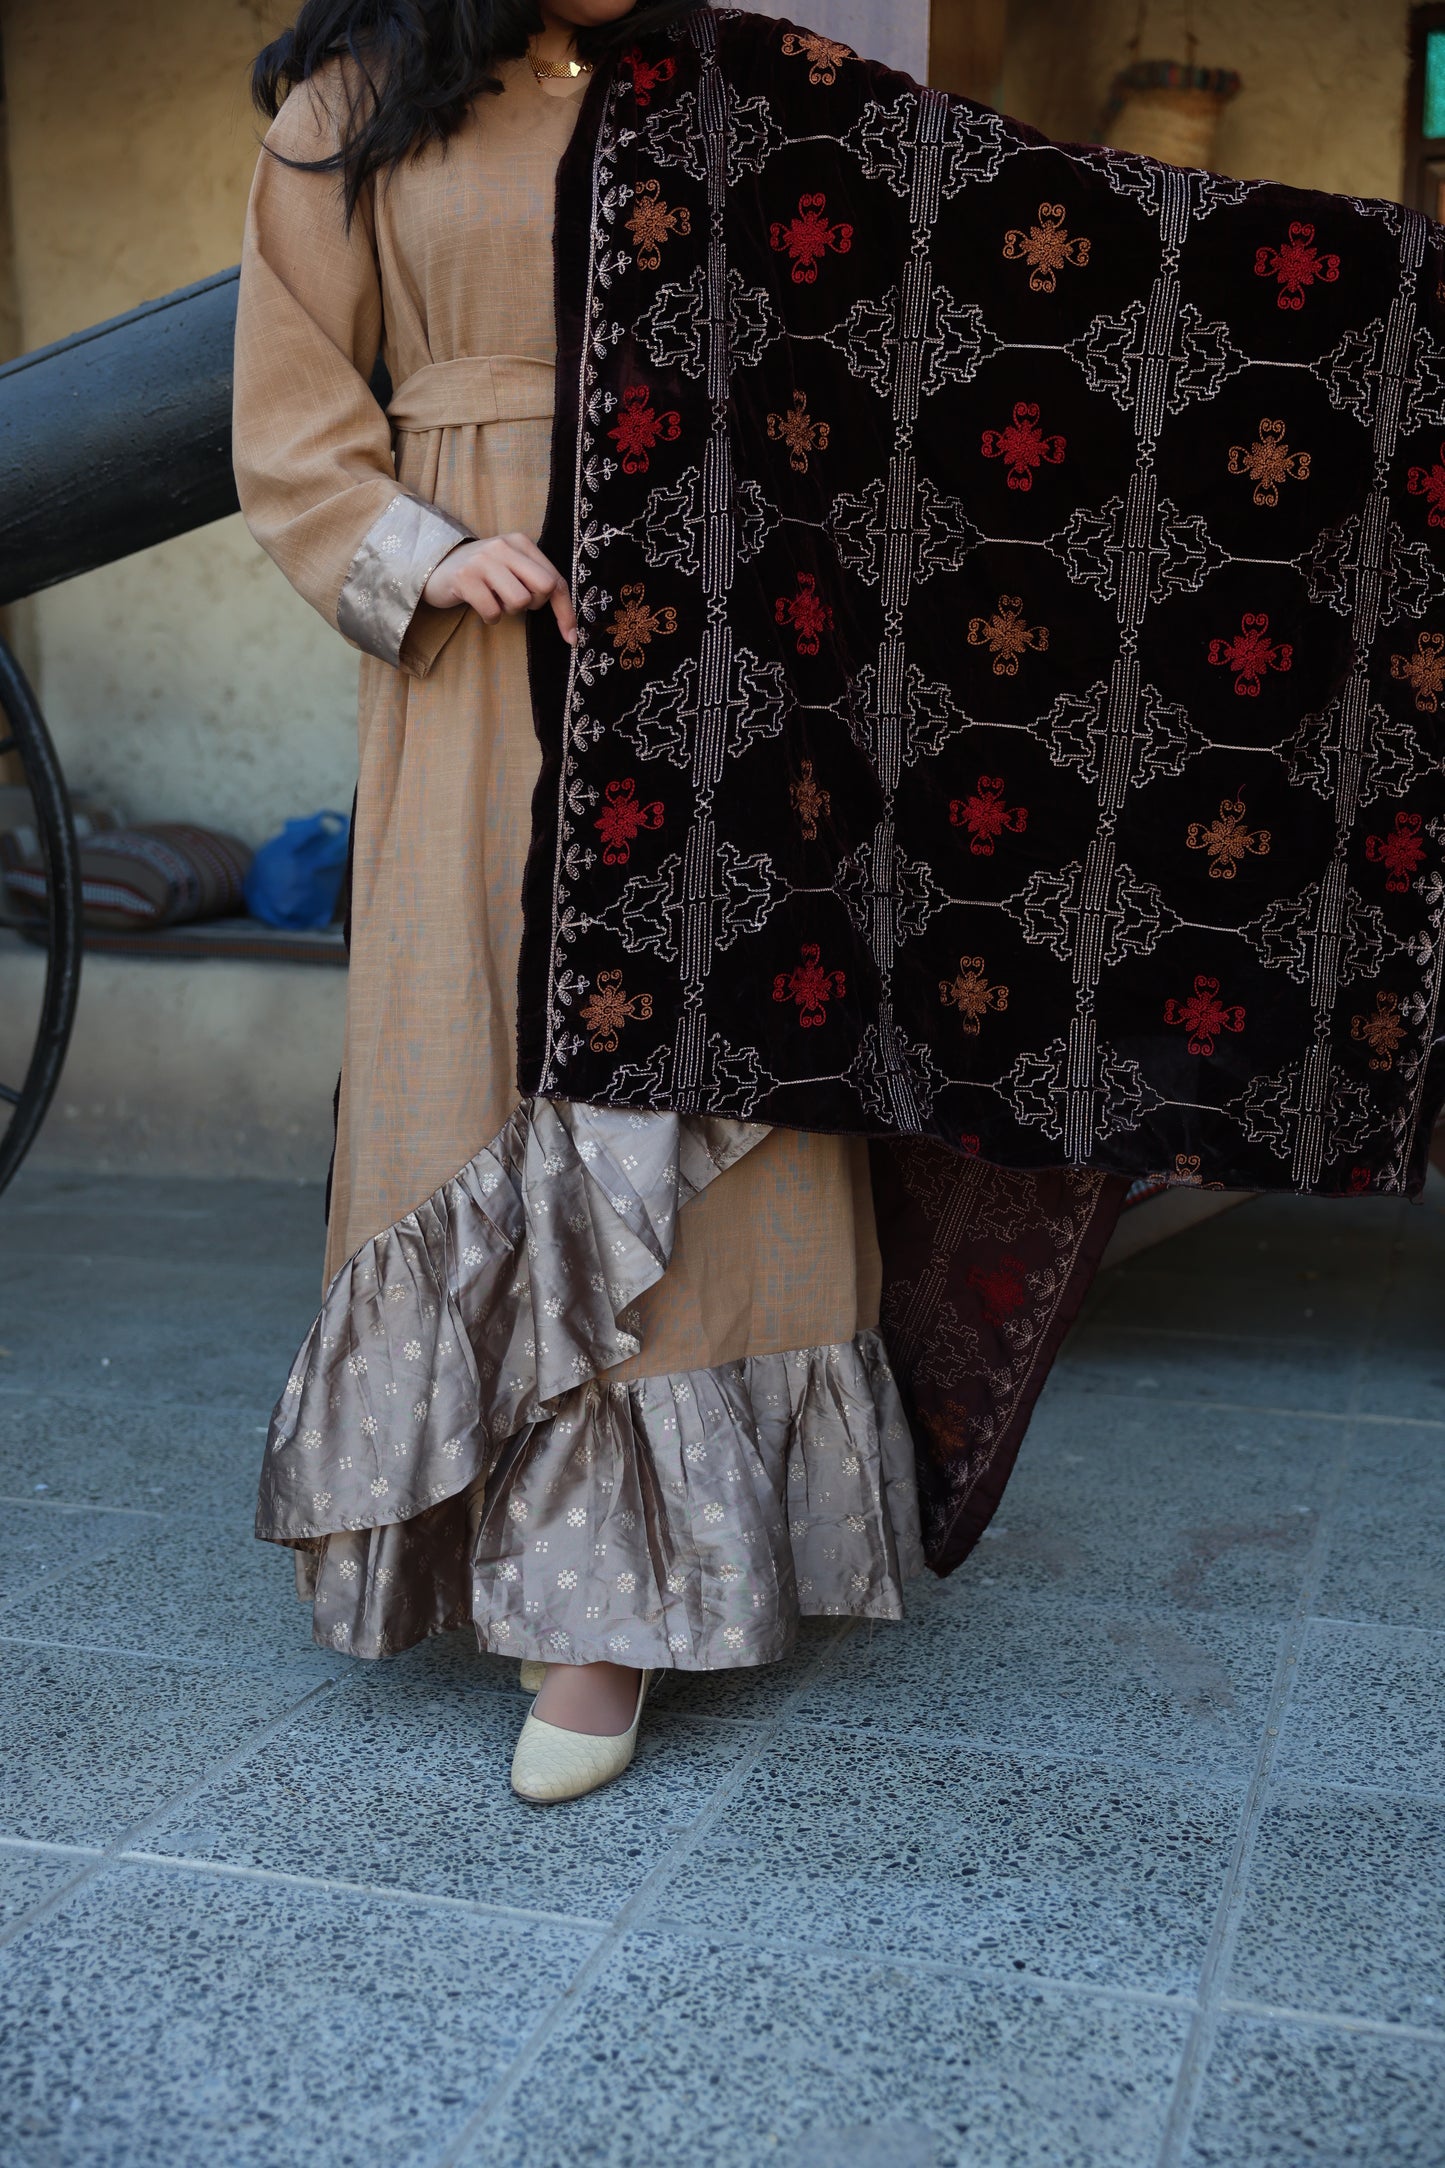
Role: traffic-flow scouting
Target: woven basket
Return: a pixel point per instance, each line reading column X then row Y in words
column 1168, row 109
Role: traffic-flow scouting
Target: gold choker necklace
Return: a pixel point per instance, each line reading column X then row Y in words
column 565, row 70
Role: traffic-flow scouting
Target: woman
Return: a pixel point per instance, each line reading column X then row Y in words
column 736, row 1456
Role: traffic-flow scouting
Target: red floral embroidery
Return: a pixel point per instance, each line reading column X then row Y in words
column 1400, row 852
column 1250, row 653
column 639, row 428
column 1204, row 1016
column 986, row 817
column 1003, row 1288
column 808, row 614
column 647, row 75
column 1297, row 266
column 969, row 1144
column 1359, row 1184
column 808, row 237
column 1429, row 482
column 622, row 819
column 810, row 986
column 1023, row 445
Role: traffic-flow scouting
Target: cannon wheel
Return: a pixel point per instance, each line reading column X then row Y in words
column 23, row 732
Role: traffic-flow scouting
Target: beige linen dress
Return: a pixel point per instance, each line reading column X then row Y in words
column 539, row 1395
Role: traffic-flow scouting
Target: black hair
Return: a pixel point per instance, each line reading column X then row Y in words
column 415, row 66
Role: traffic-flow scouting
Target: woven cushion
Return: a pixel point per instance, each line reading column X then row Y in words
column 167, row 874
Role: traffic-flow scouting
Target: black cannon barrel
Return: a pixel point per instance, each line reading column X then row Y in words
column 119, row 437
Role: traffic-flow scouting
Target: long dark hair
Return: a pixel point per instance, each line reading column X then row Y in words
column 415, row 66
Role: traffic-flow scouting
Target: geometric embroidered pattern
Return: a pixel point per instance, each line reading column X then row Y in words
column 1010, row 697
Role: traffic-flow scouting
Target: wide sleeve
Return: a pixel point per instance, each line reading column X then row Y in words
column 312, row 448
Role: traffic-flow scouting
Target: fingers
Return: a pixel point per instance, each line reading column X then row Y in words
column 564, row 613
column 509, row 574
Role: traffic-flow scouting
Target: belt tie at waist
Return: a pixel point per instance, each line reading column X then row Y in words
column 474, row 390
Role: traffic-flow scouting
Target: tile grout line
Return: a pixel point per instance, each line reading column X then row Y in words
column 128, row 1837
column 1333, row 2020
column 1204, row 2028
column 85, row 1505
column 629, row 1915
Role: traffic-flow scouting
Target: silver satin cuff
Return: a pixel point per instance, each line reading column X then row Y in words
column 383, row 588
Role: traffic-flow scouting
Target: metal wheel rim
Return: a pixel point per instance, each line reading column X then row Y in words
column 23, row 731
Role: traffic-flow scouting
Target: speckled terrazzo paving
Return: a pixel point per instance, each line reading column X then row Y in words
column 1126, row 1851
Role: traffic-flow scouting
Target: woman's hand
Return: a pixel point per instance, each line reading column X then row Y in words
column 500, row 578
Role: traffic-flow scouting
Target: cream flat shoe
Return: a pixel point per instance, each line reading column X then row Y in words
column 551, row 1764
column 531, row 1677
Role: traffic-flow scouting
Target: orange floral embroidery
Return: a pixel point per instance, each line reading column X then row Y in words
column 636, row 625
column 1046, row 248
column 1227, row 840
column 1006, row 636
column 653, row 222
column 1268, row 462
column 1424, row 671
column 825, row 54
column 798, row 430
column 609, row 1010
column 971, row 994
column 948, row 1427
column 1382, row 1033
column 809, row 801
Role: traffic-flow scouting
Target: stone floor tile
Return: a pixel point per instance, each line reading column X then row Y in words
column 879, row 1846
column 715, row 2055
column 400, row 1781
column 1275, row 1301
column 28, row 1878
column 1049, row 1677
column 118, row 1452
column 159, row 1329
column 90, row 1743
column 1386, row 1555
column 1299, row 2096
column 1365, row 1709
column 1283, row 1374
column 39, row 1544
column 164, row 2018
column 1122, row 1504
column 1346, row 1908
column 187, row 1217
column 204, row 1591
column 754, row 1693
column 1340, row 1238
column 1404, row 1373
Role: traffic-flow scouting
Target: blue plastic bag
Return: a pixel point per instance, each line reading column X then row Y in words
column 295, row 879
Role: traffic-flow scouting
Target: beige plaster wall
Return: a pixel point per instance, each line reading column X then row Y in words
column 188, row 681
column 1324, row 80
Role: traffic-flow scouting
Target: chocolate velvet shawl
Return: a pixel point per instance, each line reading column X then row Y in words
column 1006, row 716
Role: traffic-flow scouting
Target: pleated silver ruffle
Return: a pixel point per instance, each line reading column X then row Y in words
column 447, row 1448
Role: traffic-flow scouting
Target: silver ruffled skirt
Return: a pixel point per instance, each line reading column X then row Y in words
column 449, row 1449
